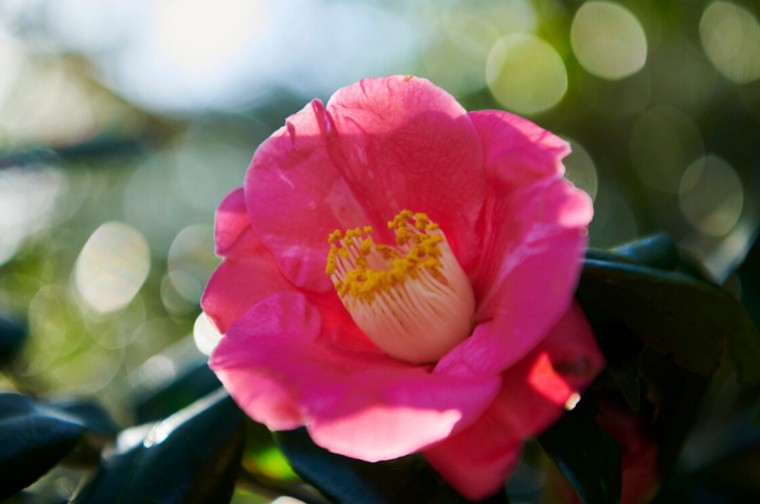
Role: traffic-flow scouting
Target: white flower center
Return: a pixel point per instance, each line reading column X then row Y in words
column 413, row 300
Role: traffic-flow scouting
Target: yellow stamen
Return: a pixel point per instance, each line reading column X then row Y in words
column 412, row 299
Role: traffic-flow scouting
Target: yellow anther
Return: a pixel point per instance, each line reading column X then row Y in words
column 403, row 293
column 366, row 247
column 334, row 236
column 421, row 220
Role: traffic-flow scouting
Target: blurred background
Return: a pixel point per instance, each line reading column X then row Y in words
column 123, row 124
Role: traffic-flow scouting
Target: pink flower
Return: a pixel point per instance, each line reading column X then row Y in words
column 452, row 330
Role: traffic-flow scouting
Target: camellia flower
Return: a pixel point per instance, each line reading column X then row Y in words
column 398, row 277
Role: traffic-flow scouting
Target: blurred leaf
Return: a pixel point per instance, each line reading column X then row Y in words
column 191, row 457
column 674, row 314
column 749, row 272
column 31, row 498
column 587, row 456
column 731, row 478
column 91, row 414
column 12, row 337
column 100, row 430
column 406, row 480
column 680, row 396
column 627, row 375
column 196, row 381
column 656, row 251
column 263, row 456
column 33, row 439
column 101, row 146
column 737, row 471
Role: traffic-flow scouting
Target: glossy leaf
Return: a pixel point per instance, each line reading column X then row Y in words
column 587, row 456
column 346, row 480
column 191, row 457
column 33, row 439
column 656, row 251
column 91, row 414
column 674, row 314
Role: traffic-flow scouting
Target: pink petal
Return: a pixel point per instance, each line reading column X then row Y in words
column 527, row 276
column 296, row 197
column 561, row 366
column 360, row 404
column 404, row 143
column 478, row 460
column 243, row 279
column 380, row 146
column 230, row 221
column 517, row 151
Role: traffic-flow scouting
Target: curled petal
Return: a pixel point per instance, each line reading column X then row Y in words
column 404, row 143
column 380, row 146
column 243, row 279
column 527, row 276
column 295, row 197
column 230, row 222
column 356, row 403
column 517, row 151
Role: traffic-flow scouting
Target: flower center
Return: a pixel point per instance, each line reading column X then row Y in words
column 413, row 300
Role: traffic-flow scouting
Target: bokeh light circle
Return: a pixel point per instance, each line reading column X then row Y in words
column 112, row 267
column 730, row 36
column 205, row 334
column 711, row 196
column 608, row 40
column 525, row 74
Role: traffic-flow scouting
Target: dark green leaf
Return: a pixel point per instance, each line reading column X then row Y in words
column 12, row 337
column 92, row 415
column 737, row 471
column 33, row 439
column 627, row 375
column 656, row 251
column 679, row 395
column 346, row 480
column 191, row 457
column 674, row 314
column 749, row 272
column 100, row 430
column 587, row 456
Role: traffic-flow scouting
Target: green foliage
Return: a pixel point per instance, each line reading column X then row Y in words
column 672, row 313
column 33, row 439
column 192, row 456
column 405, row 480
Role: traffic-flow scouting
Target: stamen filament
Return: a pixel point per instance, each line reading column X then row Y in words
column 412, row 299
